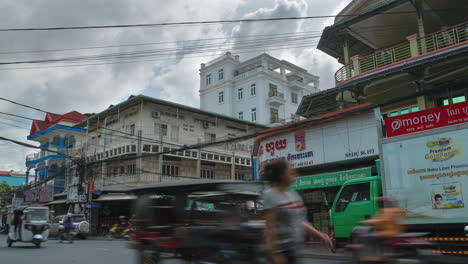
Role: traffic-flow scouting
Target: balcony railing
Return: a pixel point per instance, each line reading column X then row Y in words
column 275, row 94
column 414, row 47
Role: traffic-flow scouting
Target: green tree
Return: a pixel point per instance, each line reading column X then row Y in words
column 5, row 193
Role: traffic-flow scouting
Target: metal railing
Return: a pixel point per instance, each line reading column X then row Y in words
column 275, row 94
column 428, row 43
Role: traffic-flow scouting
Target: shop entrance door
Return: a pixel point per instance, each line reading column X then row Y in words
column 354, row 205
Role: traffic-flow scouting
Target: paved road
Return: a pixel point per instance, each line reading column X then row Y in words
column 80, row 252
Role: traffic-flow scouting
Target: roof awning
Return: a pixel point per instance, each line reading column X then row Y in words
column 115, row 197
column 61, row 201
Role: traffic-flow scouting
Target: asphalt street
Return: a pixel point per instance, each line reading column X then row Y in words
column 82, row 252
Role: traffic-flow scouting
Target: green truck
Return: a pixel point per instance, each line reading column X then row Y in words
column 427, row 173
column 355, row 202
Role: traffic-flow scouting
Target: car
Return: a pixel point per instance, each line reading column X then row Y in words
column 79, row 223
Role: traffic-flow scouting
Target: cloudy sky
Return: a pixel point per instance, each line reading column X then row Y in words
column 91, row 86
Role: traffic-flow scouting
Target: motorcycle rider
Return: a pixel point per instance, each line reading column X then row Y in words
column 388, row 225
column 388, row 220
column 68, row 223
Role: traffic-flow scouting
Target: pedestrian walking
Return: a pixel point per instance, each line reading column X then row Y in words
column 285, row 214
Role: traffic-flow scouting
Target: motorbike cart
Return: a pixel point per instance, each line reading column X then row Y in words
column 199, row 221
column 30, row 225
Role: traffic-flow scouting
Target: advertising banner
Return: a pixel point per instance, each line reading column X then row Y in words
column 429, row 175
column 427, row 119
column 345, row 139
column 46, row 194
column 40, row 194
column 329, row 179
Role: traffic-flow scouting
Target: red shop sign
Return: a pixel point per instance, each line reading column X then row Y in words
column 427, row 119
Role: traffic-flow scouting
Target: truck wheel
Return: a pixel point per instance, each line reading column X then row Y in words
column 9, row 242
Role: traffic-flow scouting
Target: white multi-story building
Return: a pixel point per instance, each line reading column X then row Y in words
column 263, row 89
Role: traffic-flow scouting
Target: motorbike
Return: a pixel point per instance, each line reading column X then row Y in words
column 120, row 232
column 31, row 227
column 68, row 236
column 367, row 247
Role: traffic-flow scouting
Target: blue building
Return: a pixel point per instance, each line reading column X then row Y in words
column 5, row 176
column 56, row 133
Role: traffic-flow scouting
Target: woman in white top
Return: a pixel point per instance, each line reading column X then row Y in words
column 285, row 214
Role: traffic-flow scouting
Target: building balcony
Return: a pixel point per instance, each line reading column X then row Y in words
column 277, row 121
column 276, row 98
column 413, row 49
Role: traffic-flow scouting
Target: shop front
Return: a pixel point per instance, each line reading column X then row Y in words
column 326, row 152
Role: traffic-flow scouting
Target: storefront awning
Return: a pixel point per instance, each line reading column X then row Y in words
column 61, row 201
column 115, row 197
column 329, row 179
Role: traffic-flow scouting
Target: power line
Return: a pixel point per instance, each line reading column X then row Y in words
column 185, row 23
column 216, row 53
column 191, row 49
column 153, row 43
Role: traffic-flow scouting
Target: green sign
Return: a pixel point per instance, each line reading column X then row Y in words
column 329, row 179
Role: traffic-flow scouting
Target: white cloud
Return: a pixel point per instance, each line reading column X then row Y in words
column 94, row 88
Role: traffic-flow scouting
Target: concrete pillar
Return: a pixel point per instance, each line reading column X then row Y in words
column 61, row 144
column 198, row 173
column 413, row 42
column 421, row 30
column 46, row 171
column 36, row 172
column 283, row 71
column 233, row 166
column 27, row 177
column 346, row 51
column 356, row 64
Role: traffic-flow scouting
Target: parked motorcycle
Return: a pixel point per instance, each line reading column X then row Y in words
column 367, row 247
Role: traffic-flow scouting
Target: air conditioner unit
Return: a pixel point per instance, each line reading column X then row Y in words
column 156, row 114
column 206, row 124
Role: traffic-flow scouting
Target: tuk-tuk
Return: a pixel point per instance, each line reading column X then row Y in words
column 30, row 224
column 216, row 221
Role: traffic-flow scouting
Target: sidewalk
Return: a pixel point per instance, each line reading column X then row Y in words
column 317, row 250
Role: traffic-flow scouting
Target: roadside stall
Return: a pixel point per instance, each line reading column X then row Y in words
column 326, row 150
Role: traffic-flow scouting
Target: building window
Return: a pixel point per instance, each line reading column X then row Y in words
column 274, row 115
column 206, row 173
column 132, row 130
column 208, row 79
column 160, row 130
column 253, row 89
column 254, row 114
column 240, row 93
column 221, row 74
column 401, row 111
column 241, row 115
column 170, row 170
column 294, row 98
column 239, row 176
column 131, row 169
column 221, row 97
column 458, row 99
column 210, row 137
column 273, row 90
